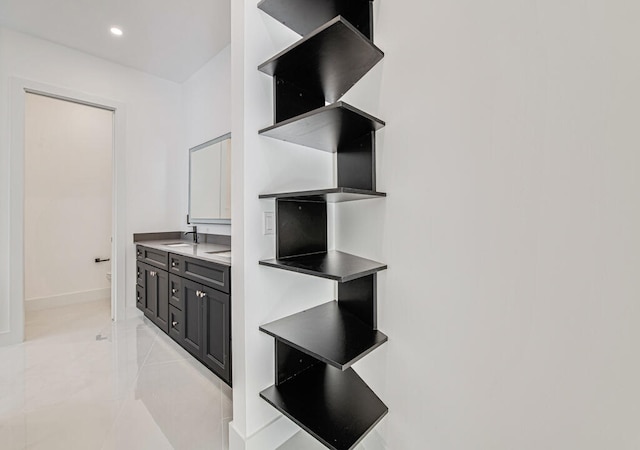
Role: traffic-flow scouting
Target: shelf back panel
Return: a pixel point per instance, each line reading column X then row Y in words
column 301, row 227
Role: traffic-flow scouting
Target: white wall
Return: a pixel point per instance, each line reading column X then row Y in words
column 155, row 190
column 262, row 165
column 511, row 229
column 207, row 113
column 68, row 185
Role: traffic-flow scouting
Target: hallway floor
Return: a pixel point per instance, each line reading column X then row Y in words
column 82, row 382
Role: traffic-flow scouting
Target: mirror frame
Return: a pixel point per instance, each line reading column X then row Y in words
column 197, row 220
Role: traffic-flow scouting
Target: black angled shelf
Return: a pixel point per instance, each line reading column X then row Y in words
column 315, row 385
column 328, row 61
column 357, row 12
column 326, row 128
column 336, row 407
column 331, row 195
column 329, row 333
column 332, row 264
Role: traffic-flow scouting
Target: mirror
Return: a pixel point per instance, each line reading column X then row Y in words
column 210, row 181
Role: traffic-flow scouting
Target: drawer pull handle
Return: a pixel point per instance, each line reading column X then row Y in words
column 174, row 290
column 174, row 324
column 174, row 264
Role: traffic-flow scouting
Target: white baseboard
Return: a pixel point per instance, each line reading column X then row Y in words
column 9, row 338
column 70, row 298
column 269, row 437
column 373, row 441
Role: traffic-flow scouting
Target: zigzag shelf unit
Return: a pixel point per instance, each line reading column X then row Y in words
column 315, row 385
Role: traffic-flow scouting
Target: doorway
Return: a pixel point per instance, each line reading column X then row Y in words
column 68, row 153
column 20, row 87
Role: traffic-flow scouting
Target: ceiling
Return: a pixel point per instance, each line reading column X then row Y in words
column 168, row 38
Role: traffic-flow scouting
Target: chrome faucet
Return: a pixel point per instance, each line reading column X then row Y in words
column 195, row 234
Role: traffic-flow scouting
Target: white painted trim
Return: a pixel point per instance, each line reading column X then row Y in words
column 269, row 437
column 69, row 298
column 373, row 441
column 19, row 88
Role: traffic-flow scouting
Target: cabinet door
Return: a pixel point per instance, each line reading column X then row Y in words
column 216, row 344
column 192, row 317
column 162, row 306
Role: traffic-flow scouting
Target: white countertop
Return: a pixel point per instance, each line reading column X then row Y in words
column 205, row 251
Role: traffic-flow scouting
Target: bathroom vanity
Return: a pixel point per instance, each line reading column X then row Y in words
column 185, row 289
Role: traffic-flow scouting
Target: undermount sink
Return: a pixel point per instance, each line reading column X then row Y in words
column 226, row 254
column 178, row 244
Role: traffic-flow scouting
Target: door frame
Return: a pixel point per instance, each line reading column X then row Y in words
column 19, row 88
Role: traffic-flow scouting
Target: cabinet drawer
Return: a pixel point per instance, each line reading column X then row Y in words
column 140, row 295
column 156, row 258
column 175, row 291
column 175, row 263
column 140, row 274
column 207, row 273
column 176, row 319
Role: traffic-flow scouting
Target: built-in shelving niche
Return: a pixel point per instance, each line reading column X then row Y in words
column 315, row 385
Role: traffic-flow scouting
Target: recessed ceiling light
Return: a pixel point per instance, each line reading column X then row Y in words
column 117, row 31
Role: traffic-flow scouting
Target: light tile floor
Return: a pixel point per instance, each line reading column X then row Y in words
column 80, row 381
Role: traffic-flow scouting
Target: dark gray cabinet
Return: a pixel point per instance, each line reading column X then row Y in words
column 152, row 297
column 206, row 328
column 190, row 302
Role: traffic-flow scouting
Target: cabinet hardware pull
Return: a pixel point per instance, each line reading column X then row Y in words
column 173, row 291
column 204, row 294
column 174, row 264
column 174, row 323
column 198, row 293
